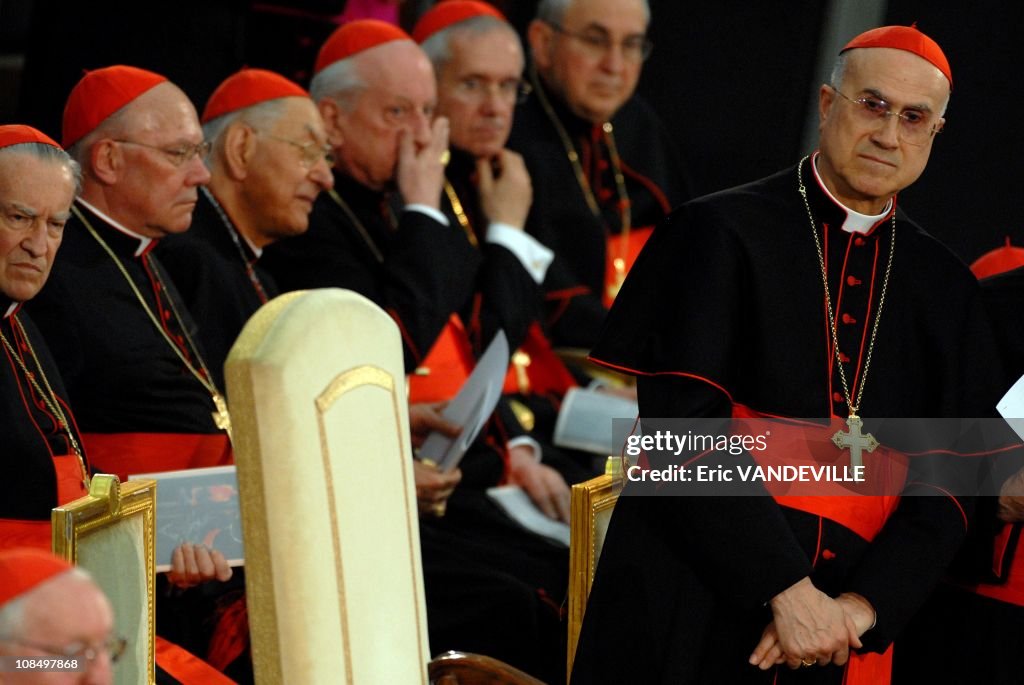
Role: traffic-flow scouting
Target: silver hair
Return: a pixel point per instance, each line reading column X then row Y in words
column 341, row 81
column 262, row 117
column 838, row 75
column 48, row 153
column 553, row 11
column 12, row 614
column 438, row 46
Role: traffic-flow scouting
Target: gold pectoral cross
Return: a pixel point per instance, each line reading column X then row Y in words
column 221, row 417
column 854, row 440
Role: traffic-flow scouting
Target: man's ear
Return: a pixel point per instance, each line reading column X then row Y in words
column 239, row 142
column 540, row 35
column 331, row 112
column 826, row 98
column 106, row 161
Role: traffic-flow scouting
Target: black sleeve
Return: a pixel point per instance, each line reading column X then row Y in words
column 745, row 547
column 574, row 313
column 510, row 298
column 427, row 273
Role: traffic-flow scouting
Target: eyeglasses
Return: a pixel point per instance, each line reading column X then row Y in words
column 597, row 44
column 477, row 90
column 113, row 646
column 179, row 154
column 310, row 152
column 915, row 127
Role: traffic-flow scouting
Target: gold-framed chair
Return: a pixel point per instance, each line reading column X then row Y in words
column 591, row 508
column 111, row 534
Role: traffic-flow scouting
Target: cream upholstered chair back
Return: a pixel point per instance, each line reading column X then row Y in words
column 111, row 533
column 591, row 506
column 320, row 423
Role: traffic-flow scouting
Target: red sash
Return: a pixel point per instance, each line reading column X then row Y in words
column 543, row 373
column 794, row 443
column 126, row 453
column 885, row 472
column 186, row 667
column 18, row 533
column 446, row 367
column 614, row 250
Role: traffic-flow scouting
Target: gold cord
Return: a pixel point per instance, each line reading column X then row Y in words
column 49, row 396
column 220, row 416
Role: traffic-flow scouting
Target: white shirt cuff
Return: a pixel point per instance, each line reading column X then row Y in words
column 535, row 257
column 434, row 214
column 528, row 442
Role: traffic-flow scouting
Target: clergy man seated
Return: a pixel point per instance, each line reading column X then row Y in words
column 269, row 162
column 603, row 165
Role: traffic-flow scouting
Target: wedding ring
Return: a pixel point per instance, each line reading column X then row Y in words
column 446, row 157
column 807, row 663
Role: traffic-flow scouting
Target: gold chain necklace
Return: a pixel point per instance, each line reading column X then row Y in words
column 49, row 396
column 853, row 439
column 460, row 212
column 625, row 211
column 377, row 254
column 221, row 417
column 250, row 270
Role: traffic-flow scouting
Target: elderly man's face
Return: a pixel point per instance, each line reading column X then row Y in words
column 65, row 615
column 865, row 161
column 159, row 181
column 286, row 173
column 477, row 89
column 398, row 100
column 594, row 59
column 35, row 203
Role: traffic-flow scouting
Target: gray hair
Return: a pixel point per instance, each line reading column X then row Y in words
column 48, row 153
column 838, row 75
column 12, row 614
column 261, row 117
column 438, row 46
column 111, row 127
column 553, row 11
column 341, row 81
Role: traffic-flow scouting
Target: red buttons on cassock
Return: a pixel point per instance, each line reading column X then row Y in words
column 847, row 319
column 853, row 280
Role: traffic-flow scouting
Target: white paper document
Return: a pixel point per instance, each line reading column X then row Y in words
column 471, row 407
column 199, row 506
column 514, row 501
column 1011, row 407
column 585, row 420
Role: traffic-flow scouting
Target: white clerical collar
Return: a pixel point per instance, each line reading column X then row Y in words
column 10, row 310
column 144, row 242
column 855, row 221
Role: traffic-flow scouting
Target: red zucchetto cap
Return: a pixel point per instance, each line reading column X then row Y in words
column 23, row 569
column 249, row 87
column 355, row 37
column 1000, row 260
column 904, row 38
column 16, row 134
column 99, row 94
column 449, row 13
